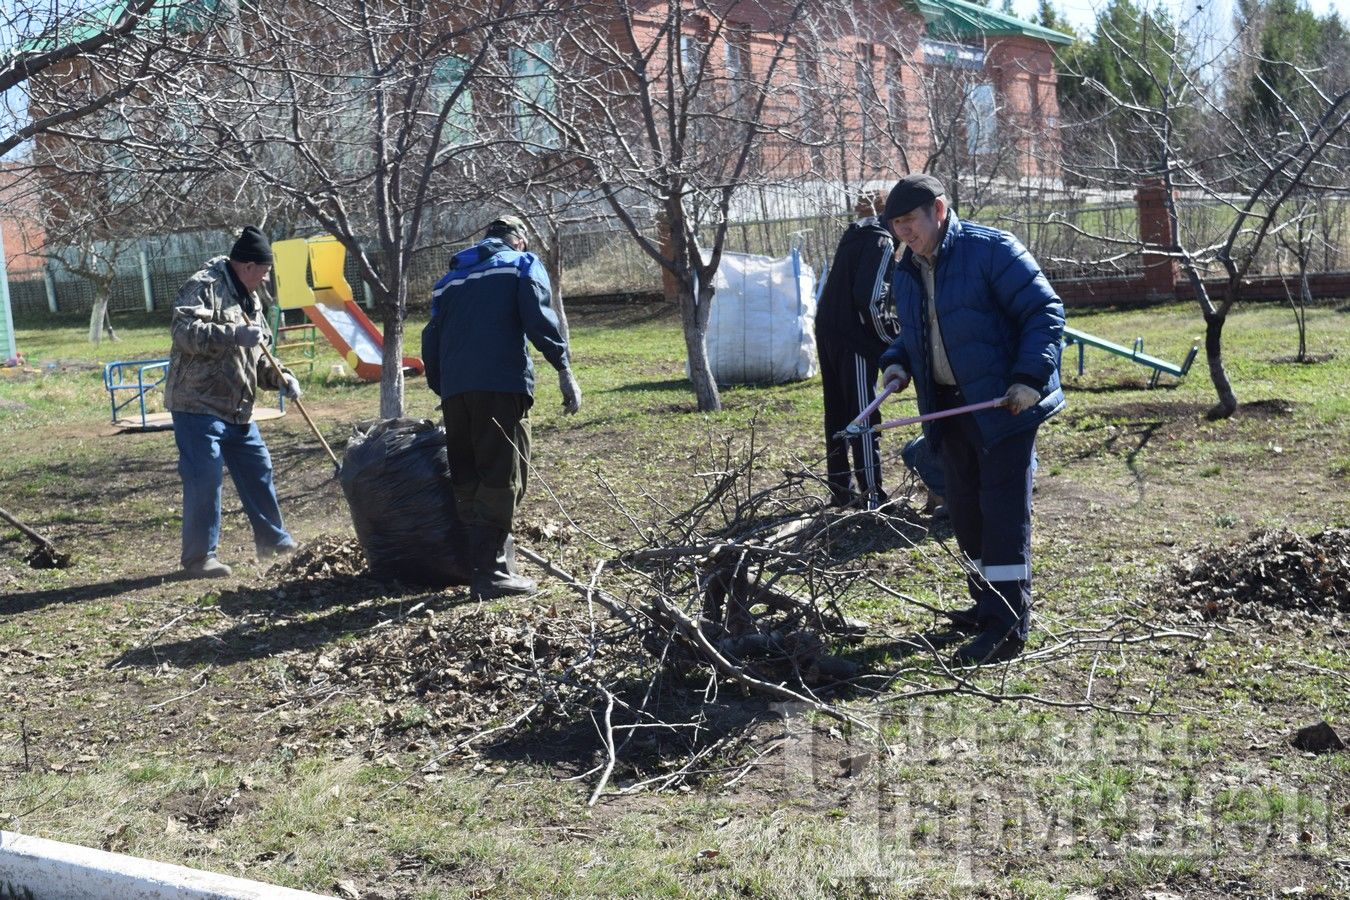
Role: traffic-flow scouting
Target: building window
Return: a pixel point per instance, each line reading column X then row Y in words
column 691, row 59
column 535, row 95
column 896, row 114
column 808, row 95
column 981, row 120
column 449, row 75
column 870, row 136
column 737, row 66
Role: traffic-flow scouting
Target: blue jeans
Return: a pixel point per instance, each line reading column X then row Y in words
column 206, row 444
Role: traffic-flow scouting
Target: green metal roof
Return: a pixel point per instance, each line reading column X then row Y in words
column 182, row 15
column 957, row 18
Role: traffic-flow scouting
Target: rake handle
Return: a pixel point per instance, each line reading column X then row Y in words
column 281, row 373
column 39, row 539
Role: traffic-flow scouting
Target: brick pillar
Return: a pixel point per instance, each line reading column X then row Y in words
column 1155, row 230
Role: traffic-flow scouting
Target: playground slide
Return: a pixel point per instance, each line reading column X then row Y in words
column 329, row 304
column 358, row 340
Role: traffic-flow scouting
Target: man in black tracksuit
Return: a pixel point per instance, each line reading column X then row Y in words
column 854, row 325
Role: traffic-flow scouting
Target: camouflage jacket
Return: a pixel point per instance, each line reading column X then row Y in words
column 208, row 371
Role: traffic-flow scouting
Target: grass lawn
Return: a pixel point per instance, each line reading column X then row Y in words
column 249, row 725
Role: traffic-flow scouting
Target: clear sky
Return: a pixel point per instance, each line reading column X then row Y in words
column 1082, row 13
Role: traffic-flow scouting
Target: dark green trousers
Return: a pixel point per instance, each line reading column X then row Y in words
column 487, row 437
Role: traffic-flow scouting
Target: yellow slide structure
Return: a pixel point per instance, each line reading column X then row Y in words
column 297, row 263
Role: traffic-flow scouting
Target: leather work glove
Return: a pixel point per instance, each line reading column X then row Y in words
column 571, row 391
column 248, row 335
column 1020, row 397
column 290, row 387
column 895, row 372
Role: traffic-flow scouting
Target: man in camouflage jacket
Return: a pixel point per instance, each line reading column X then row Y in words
column 215, row 370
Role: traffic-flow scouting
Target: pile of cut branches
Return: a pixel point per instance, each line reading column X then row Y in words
column 685, row 637
column 1272, row 570
column 750, row 580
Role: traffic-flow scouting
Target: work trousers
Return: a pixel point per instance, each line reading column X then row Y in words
column 487, row 439
column 849, row 381
column 206, row 444
column 988, row 494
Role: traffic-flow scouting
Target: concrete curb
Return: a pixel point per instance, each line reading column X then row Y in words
column 51, row 870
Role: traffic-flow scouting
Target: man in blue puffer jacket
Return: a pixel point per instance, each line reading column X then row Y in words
column 494, row 298
column 978, row 322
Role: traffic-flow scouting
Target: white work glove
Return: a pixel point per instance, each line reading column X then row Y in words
column 895, row 372
column 290, row 388
column 248, row 335
column 1020, row 397
column 571, row 391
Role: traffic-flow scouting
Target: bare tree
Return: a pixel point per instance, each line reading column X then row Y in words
column 1300, row 240
column 349, row 116
column 95, row 261
column 72, row 62
column 677, row 109
column 67, row 67
column 1246, row 172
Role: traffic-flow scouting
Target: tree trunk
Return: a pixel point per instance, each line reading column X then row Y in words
column 553, row 265
column 1301, row 313
column 391, row 364
column 99, row 320
column 694, row 309
column 1228, row 403
column 96, row 318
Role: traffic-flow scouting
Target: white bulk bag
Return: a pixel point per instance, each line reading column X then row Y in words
column 761, row 329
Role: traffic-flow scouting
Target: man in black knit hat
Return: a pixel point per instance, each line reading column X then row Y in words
column 215, row 370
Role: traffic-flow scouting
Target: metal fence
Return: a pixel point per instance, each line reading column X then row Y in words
column 1072, row 238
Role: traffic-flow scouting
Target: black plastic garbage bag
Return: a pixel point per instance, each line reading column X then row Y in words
column 397, row 480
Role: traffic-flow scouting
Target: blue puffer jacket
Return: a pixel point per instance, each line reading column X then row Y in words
column 1001, row 323
column 482, row 311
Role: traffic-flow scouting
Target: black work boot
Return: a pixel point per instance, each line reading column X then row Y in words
column 493, row 565
column 993, row 645
column 967, row 620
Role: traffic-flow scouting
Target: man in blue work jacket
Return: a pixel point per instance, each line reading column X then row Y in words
column 978, row 322
column 494, row 298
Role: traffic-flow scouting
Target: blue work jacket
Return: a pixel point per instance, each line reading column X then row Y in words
column 1001, row 322
column 483, row 311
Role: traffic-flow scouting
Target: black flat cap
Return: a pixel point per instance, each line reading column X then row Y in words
column 911, row 192
column 252, row 246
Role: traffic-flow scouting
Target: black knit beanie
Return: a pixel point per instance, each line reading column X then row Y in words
column 252, row 247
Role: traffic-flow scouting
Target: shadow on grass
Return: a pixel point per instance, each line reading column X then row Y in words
column 27, row 601
column 668, row 384
column 267, row 625
column 1117, row 387
column 691, row 724
column 856, row 535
